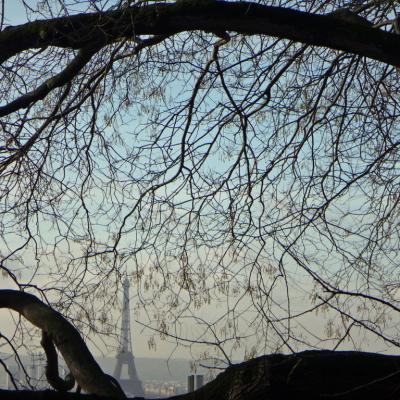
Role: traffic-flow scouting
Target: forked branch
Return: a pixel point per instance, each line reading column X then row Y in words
column 69, row 342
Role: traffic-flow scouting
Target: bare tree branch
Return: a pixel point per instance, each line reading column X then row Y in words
column 248, row 18
column 66, row 75
column 78, row 358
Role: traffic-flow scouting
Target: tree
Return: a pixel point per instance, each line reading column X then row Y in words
column 312, row 374
column 219, row 153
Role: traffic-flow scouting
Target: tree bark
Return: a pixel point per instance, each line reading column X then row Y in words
column 67, row 339
column 98, row 29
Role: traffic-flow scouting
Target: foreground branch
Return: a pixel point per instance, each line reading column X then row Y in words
column 52, row 373
column 59, row 80
column 77, row 356
column 248, row 18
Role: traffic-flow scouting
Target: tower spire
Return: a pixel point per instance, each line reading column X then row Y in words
column 126, row 343
column 132, row 385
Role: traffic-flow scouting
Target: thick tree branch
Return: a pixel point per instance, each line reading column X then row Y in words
column 77, row 356
column 52, row 374
column 161, row 19
column 59, row 80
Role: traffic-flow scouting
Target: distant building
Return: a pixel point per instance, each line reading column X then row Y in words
column 195, row 382
column 130, row 384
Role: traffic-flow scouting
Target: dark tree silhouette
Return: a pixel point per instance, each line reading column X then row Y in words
column 228, row 156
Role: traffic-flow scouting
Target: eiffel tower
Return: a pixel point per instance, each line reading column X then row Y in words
column 131, row 386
